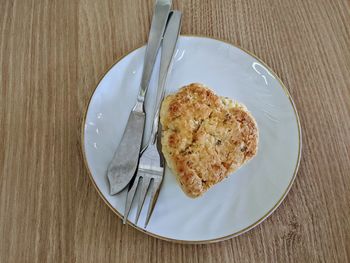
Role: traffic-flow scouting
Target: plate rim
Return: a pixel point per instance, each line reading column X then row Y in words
column 223, row 238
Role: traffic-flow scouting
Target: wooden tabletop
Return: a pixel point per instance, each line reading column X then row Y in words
column 52, row 54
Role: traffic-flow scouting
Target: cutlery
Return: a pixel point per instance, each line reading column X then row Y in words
column 124, row 163
column 151, row 164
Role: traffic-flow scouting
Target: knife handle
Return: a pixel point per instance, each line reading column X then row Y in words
column 170, row 38
column 160, row 17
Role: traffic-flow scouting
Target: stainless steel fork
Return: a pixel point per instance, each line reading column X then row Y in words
column 151, row 164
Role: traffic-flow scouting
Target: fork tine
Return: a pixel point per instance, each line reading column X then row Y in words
column 129, row 198
column 154, row 189
column 144, row 186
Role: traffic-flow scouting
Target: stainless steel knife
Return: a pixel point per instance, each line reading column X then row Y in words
column 151, row 166
column 124, row 163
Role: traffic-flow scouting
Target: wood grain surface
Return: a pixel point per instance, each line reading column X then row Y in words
column 52, row 54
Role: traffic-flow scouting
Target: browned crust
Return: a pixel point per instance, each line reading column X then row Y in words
column 205, row 137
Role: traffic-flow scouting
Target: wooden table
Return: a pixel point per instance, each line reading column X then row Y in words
column 52, row 54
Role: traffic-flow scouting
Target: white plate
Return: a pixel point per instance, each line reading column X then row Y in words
column 249, row 195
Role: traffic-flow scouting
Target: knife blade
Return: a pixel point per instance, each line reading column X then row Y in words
column 124, row 163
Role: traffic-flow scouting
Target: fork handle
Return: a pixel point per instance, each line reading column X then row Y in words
column 168, row 48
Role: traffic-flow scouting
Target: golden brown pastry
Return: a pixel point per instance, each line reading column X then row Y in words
column 205, row 137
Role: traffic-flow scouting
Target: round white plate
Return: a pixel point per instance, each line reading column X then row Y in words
column 238, row 203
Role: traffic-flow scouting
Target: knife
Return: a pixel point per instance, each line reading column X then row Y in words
column 151, row 165
column 124, row 163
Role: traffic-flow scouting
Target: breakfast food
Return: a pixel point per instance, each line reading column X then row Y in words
column 205, row 137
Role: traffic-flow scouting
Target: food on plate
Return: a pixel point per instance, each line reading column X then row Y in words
column 205, row 137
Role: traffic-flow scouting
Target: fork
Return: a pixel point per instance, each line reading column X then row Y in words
column 150, row 170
